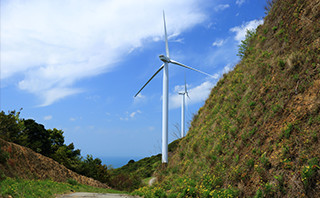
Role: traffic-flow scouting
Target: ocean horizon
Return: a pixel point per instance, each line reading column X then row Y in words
column 118, row 161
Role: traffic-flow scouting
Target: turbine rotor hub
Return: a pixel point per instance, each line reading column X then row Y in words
column 164, row 58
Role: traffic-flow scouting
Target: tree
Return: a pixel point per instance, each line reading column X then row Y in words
column 56, row 138
column 11, row 127
column 50, row 143
column 38, row 139
column 244, row 47
column 93, row 168
column 67, row 156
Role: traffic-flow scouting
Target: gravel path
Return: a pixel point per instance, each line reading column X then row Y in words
column 97, row 195
column 152, row 180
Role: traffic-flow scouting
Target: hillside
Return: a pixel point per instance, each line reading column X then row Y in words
column 131, row 176
column 22, row 162
column 258, row 133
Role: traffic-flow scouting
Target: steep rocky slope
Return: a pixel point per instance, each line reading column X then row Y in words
column 258, row 133
column 23, row 162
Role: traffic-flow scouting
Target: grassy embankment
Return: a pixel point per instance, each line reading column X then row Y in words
column 258, row 133
column 45, row 188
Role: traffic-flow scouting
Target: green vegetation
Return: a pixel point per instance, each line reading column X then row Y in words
column 135, row 174
column 50, row 143
column 310, row 173
column 44, row 188
column 4, row 156
column 244, row 47
column 257, row 135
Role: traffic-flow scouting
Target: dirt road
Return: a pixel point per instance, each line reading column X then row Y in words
column 97, row 195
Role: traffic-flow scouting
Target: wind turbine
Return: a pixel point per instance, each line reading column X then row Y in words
column 165, row 95
column 182, row 107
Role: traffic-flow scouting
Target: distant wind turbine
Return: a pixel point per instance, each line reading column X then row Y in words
column 182, row 107
column 165, row 95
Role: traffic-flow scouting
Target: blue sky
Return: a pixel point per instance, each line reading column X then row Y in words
column 76, row 65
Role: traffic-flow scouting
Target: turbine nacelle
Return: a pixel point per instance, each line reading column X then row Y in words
column 164, row 58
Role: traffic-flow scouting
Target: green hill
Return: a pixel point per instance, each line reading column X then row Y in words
column 131, row 176
column 258, row 133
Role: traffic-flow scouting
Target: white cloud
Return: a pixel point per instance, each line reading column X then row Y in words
column 54, row 94
column 218, row 43
column 200, row 92
column 125, row 118
column 197, row 94
column 54, row 44
column 48, row 117
column 227, row 68
column 131, row 115
column 139, row 99
column 175, row 38
column 221, row 7
column 180, row 88
column 240, row 2
column 215, row 76
column 242, row 30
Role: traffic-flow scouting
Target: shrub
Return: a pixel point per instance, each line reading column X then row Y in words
column 265, row 161
column 274, row 28
column 160, row 193
column 309, row 173
column 253, row 131
column 126, row 182
column 269, row 5
column 280, row 180
column 72, row 182
column 250, row 163
column 4, row 156
column 281, row 64
column 258, row 194
column 269, row 190
column 244, row 46
column 287, row 131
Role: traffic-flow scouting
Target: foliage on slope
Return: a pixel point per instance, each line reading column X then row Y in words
column 258, row 133
column 22, row 162
column 18, row 161
column 49, row 143
column 130, row 176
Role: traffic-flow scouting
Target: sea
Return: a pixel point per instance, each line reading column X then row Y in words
column 118, row 161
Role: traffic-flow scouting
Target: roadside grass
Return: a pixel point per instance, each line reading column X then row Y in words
column 45, row 188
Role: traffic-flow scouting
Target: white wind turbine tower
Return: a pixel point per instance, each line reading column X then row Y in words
column 182, row 108
column 165, row 95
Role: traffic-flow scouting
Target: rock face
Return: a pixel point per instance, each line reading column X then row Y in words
column 25, row 163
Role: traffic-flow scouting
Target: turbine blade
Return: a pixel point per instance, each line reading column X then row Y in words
column 150, row 79
column 185, row 87
column 165, row 35
column 185, row 84
column 180, row 64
